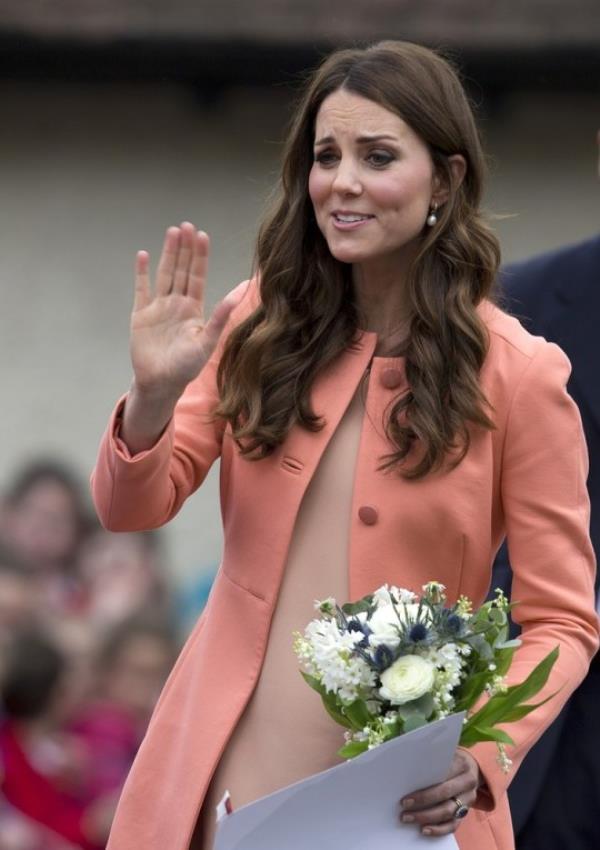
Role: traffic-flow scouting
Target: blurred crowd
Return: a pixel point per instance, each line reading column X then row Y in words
column 87, row 638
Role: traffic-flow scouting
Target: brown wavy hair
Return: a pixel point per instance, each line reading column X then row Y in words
column 307, row 314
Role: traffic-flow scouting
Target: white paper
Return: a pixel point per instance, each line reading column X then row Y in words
column 353, row 806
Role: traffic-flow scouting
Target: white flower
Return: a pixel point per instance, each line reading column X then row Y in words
column 387, row 619
column 407, row 679
column 325, row 606
column 326, row 652
column 385, row 595
column 384, row 625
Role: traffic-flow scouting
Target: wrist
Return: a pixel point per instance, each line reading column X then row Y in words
column 159, row 395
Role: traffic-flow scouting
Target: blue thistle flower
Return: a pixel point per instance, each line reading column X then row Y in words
column 355, row 625
column 383, row 657
column 418, row 632
column 454, row 624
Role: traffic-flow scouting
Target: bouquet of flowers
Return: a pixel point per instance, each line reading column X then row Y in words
column 393, row 661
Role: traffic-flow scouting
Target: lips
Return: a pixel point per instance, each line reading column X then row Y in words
column 350, row 217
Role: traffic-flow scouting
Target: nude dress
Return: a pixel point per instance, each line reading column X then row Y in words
column 285, row 734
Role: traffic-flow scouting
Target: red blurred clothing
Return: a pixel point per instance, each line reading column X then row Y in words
column 32, row 793
column 112, row 738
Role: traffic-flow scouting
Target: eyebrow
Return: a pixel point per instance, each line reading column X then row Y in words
column 365, row 139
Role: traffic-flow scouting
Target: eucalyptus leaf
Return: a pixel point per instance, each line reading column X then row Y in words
column 480, row 645
column 414, row 721
column 423, row 705
column 514, row 643
column 497, row 616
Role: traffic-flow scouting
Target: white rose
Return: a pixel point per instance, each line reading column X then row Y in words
column 407, row 679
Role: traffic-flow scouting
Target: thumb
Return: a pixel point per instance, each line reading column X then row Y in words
column 219, row 318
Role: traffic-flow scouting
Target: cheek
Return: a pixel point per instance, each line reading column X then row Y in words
column 318, row 184
column 410, row 190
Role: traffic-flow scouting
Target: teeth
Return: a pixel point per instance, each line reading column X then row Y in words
column 350, row 218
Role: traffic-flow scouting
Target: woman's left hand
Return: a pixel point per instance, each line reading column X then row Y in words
column 433, row 809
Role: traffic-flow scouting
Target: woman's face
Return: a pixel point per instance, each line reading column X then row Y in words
column 372, row 181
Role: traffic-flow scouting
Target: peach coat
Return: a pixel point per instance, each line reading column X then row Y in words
column 526, row 480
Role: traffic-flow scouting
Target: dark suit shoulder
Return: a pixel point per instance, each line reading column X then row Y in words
column 570, row 267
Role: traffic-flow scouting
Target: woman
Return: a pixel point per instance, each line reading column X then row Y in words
column 377, row 418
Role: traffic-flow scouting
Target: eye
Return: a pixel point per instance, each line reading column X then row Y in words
column 326, row 157
column 380, row 158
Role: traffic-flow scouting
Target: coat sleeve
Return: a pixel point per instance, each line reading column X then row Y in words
column 146, row 490
column 546, row 509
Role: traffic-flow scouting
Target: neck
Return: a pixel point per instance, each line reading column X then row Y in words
column 380, row 293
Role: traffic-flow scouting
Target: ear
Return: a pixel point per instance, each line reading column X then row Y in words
column 441, row 189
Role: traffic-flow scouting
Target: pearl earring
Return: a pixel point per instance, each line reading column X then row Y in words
column 432, row 217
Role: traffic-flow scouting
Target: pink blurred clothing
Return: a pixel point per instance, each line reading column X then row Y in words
column 111, row 738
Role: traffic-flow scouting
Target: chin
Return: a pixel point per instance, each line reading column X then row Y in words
column 349, row 254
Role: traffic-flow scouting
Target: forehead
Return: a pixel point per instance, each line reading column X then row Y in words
column 344, row 112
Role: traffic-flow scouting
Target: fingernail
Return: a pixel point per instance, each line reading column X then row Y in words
column 408, row 802
column 408, row 818
column 426, row 831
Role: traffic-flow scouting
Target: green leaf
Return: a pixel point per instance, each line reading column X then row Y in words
column 330, row 701
column 473, row 689
column 473, row 734
column 392, row 730
column 363, row 606
column 501, row 705
column 353, row 749
column 525, row 709
column 335, row 711
column 358, row 714
column 503, row 656
column 314, row 683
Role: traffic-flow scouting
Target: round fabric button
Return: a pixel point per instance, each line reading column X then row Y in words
column 391, row 378
column 368, row 514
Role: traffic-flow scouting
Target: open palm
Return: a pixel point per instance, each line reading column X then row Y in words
column 170, row 340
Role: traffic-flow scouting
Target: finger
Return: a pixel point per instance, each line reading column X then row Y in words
column 142, row 295
column 182, row 265
column 444, row 813
column 218, row 319
column 459, row 786
column 442, row 828
column 167, row 262
column 197, row 276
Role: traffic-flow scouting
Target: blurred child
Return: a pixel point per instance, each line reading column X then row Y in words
column 133, row 665
column 44, row 521
column 122, row 575
column 41, row 768
column 18, row 599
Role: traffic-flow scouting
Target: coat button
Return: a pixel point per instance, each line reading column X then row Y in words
column 368, row 514
column 391, row 378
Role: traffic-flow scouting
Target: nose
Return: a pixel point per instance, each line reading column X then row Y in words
column 346, row 180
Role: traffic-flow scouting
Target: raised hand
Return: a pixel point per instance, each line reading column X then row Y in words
column 170, row 339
